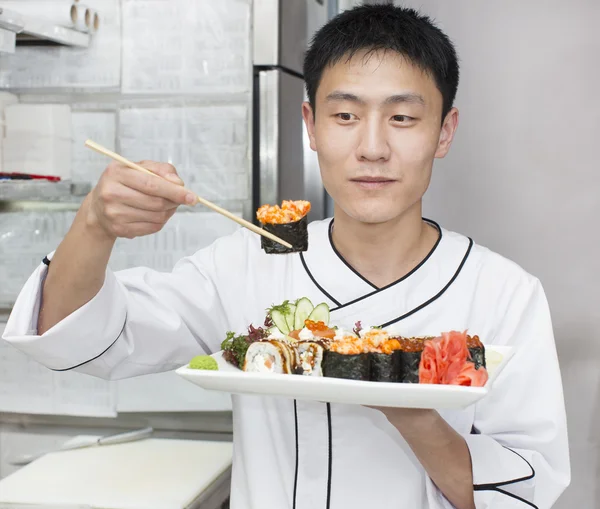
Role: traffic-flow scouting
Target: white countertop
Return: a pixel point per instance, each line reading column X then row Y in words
column 147, row 474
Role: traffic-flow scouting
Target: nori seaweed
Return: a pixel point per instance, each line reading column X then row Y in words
column 409, row 366
column 298, row 370
column 295, row 233
column 352, row 367
column 384, row 367
column 478, row 356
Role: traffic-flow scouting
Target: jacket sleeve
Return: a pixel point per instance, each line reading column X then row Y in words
column 518, row 445
column 141, row 321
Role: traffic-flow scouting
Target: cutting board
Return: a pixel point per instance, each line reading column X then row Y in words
column 147, row 474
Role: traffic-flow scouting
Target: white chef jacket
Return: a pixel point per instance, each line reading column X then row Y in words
column 299, row 454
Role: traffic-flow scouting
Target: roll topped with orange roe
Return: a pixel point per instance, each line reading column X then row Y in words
column 288, row 222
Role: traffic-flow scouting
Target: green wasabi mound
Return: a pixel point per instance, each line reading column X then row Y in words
column 204, row 362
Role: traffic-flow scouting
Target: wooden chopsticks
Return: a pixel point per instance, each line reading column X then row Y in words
column 206, row 203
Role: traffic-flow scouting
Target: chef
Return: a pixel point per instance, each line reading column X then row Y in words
column 381, row 82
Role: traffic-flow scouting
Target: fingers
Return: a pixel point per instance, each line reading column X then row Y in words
column 121, row 194
column 124, row 215
column 129, row 203
column 151, row 185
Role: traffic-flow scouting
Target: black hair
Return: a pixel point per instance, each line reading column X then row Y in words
column 388, row 28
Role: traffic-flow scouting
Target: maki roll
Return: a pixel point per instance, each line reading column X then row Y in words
column 384, row 366
column 310, row 358
column 408, row 356
column 476, row 351
column 346, row 359
column 288, row 222
column 271, row 356
column 349, row 366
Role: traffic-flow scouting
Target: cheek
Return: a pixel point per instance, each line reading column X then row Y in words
column 334, row 137
column 415, row 153
column 417, row 146
column 334, row 149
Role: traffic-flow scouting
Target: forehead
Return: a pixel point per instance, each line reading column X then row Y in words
column 375, row 75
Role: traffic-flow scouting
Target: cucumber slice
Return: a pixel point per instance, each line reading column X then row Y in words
column 320, row 314
column 304, row 308
column 280, row 321
column 289, row 316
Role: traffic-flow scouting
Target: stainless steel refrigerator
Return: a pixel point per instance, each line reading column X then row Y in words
column 283, row 166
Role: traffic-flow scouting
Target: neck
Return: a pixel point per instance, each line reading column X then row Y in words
column 384, row 252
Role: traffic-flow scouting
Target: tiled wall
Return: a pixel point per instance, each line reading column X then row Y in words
column 165, row 80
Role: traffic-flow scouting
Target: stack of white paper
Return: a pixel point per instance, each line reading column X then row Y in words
column 38, row 140
column 6, row 99
column 8, row 40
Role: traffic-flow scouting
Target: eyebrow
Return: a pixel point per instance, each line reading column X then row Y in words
column 409, row 97
column 405, row 98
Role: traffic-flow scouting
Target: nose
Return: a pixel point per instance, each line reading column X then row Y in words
column 373, row 144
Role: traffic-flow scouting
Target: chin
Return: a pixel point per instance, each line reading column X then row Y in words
column 371, row 211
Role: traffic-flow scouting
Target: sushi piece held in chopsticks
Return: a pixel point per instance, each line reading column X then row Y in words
column 288, row 222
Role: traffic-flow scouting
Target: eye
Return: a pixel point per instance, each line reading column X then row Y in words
column 402, row 119
column 345, row 117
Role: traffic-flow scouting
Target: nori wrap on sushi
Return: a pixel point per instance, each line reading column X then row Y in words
column 385, row 367
column 288, row 222
column 409, row 359
column 349, row 366
column 295, row 233
column 476, row 351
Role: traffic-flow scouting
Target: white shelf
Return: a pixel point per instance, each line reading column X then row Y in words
column 30, row 29
column 11, row 20
column 36, row 29
column 42, row 191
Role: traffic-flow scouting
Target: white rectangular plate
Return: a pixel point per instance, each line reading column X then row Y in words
column 230, row 379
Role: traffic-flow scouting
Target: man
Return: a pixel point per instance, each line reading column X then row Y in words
column 381, row 81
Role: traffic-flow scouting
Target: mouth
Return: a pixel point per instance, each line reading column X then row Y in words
column 372, row 182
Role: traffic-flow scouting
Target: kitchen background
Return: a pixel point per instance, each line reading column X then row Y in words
column 182, row 81
column 173, row 80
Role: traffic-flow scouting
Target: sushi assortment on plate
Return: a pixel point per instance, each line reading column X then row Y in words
column 297, row 339
column 288, row 222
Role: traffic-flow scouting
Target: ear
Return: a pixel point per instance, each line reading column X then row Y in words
column 309, row 119
column 447, row 133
